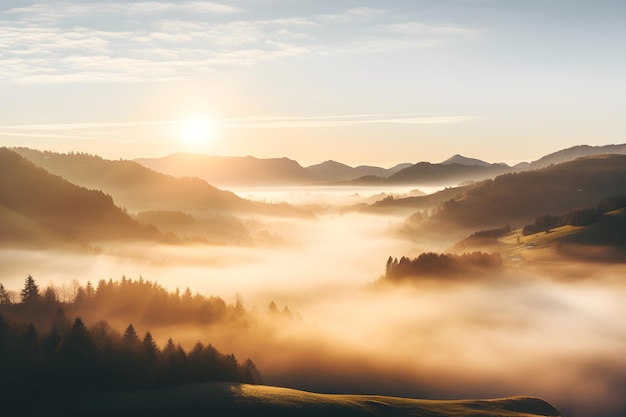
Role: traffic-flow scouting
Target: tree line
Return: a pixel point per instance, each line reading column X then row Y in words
column 579, row 217
column 439, row 265
column 141, row 301
column 60, row 353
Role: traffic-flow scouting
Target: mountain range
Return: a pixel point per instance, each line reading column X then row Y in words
column 52, row 197
column 251, row 171
column 138, row 188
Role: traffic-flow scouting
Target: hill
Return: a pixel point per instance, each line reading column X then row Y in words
column 231, row 170
column 232, row 399
column 391, row 204
column 141, row 189
column 463, row 160
column 575, row 152
column 336, row 171
column 602, row 241
column 425, row 173
column 518, row 198
column 36, row 206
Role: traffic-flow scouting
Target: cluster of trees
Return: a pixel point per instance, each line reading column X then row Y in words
column 483, row 238
column 433, row 264
column 579, row 217
column 42, row 349
column 153, row 304
column 491, row 233
column 70, row 355
column 140, row 301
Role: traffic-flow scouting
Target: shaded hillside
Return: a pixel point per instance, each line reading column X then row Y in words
column 482, row 239
column 35, row 204
column 425, row 173
column 234, row 400
column 520, row 198
column 231, row 171
column 391, row 204
column 336, row 171
column 575, row 152
column 17, row 229
column 141, row 189
column 216, row 228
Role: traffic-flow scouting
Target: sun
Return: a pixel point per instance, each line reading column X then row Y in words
column 198, row 131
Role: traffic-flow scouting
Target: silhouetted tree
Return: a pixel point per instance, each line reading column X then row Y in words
column 51, row 342
column 50, row 295
column 249, row 373
column 41, row 350
column 150, row 348
column 30, row 293
column 440, row 265
column 78, row 357
column 4, row 296
column 130, row 339
column 388, row 265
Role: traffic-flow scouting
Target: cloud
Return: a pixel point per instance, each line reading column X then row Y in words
column 92, row 129
column 358, row 13
column 422, row 28
column 63, row 10
column 341, row 120
column 67, row 42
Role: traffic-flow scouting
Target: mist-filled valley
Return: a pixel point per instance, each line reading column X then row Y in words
column 325, row 291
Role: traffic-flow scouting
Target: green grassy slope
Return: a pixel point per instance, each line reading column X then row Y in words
column 229, row 399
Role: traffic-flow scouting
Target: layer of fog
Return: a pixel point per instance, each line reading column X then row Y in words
column 333, row 196
column 518, row 334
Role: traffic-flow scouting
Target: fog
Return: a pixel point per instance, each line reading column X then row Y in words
column 553, row 331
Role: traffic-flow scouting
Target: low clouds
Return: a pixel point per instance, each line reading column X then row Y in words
column 65, row 42
column 87, row 131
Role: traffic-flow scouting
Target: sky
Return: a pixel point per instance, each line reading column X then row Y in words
column 361, row 82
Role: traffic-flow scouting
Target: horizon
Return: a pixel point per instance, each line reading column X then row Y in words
column 510, row 163
column 313, row 80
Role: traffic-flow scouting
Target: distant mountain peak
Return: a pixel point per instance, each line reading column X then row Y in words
column 463, row 160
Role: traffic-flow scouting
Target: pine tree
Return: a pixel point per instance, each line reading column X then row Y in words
column 30, row 293
column 149, row 346
column 130, row 338
column 4, row 295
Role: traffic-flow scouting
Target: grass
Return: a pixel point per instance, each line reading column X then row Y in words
column 229, row 399
column 605, row 240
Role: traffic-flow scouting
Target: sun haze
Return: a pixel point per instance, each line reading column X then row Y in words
column 198, row 132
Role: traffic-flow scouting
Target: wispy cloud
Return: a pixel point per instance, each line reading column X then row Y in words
column 358, row 13
column 256, row 122
column 161, row 41
column 63, row 10
column 340, row 120
column 422, row 28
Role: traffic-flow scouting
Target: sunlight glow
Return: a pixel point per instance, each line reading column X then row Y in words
column 198, row 131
